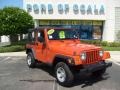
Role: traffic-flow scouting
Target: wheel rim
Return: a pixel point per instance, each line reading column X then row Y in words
column 29, row 60
column 61, row 75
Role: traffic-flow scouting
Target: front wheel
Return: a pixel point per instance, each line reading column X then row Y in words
column 64, row 75
column 30, row 60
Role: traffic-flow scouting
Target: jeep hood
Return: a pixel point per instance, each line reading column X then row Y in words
column 70, row 48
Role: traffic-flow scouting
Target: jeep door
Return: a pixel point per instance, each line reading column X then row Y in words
column 40, row 48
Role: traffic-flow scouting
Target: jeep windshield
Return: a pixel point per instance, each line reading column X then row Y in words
column 62, row 34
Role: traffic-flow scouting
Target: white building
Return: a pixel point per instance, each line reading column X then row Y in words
column 95, row 19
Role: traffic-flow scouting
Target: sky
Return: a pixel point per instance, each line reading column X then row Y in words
column 15, row 3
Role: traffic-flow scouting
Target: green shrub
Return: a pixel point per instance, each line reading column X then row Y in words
column 104, row 43
column 15, row 48
column 95, row 42
column 106, row 48
column 114, row 44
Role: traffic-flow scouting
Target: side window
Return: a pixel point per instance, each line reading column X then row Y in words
column 31, row 36
column 41, row 37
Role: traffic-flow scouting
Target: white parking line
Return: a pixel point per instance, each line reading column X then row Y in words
column 115, row 62
column 54, row 85
column 58, row 87
column 5, row 59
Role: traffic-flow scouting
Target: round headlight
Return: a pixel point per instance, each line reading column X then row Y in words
column 83, row 56
column 101, row 53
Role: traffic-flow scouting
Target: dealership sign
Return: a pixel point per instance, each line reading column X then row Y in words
column 82, row 9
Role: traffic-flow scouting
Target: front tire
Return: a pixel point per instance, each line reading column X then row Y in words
column 30, row 60
column 64, row 75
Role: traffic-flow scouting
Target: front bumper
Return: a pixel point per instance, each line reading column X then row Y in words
column 95, row 67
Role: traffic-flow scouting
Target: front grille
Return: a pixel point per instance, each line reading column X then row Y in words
column 92, row 57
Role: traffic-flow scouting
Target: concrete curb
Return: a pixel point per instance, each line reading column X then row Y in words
column 13, row 54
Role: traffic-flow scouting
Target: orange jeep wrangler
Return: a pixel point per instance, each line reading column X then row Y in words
column 61, row 48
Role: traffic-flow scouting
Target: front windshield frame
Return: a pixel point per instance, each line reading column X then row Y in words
column 76, row 33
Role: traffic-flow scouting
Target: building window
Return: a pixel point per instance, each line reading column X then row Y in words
column 97, row 32
column 97, row 29
column 87, row 29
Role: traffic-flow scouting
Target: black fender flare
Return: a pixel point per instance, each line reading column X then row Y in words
column 31, row 50
column 63, row 58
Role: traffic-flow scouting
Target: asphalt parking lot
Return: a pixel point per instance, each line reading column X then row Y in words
column 15, row 75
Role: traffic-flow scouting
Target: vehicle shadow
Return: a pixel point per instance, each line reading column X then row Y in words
column 88, row 80
column 45, row 68
column 82, row 80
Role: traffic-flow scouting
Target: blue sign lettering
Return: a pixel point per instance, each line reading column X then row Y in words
column 60, row 8
column 89, row 9
column 43, row 9
column 82, row 9
column 75, row 9
column 36, row 9
column 29, row 8
column 50, row 9
column 95, row 10
column 66, row 8
column 101, row 12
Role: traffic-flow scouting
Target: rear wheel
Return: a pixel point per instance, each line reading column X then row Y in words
column 30, row 60
column 64, row 75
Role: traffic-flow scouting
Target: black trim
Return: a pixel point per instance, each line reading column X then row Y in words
column 65, row 58
column 33, row 52
column 95, row 67
column 62, row 56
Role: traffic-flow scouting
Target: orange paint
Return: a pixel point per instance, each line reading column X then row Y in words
column 47, row 51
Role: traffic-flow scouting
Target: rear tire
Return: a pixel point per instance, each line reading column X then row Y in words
column 64, row 75
column 30, row 60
